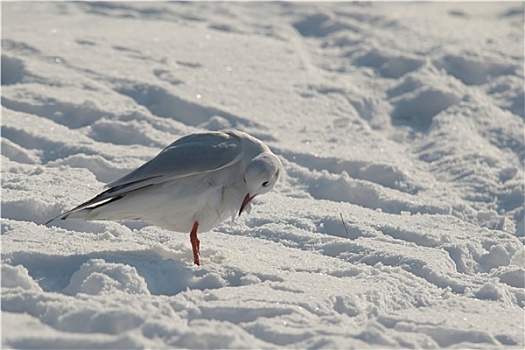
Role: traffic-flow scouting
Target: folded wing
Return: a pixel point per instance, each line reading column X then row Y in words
column 189, row 155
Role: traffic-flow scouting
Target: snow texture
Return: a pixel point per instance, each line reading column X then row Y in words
column 399, row 222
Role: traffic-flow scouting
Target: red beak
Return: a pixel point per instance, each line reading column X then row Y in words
column 245, row 202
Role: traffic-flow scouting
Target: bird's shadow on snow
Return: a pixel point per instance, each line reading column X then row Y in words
column 163, row 276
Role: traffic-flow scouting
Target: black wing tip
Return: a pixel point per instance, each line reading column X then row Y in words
column 61, row 217
column 49, row 221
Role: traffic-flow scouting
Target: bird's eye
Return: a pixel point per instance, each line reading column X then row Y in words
column 265, row 183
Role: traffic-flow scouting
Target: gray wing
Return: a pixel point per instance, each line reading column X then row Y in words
column 189, row 155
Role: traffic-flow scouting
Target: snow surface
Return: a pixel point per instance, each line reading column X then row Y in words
column 399, row 222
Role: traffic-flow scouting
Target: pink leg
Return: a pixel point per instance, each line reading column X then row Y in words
column 195, row 243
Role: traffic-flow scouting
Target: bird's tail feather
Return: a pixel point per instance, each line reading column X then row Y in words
column 85, row 213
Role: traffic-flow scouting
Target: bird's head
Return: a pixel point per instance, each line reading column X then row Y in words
column 261, row 175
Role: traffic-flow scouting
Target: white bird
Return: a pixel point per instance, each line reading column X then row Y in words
column 193, row 184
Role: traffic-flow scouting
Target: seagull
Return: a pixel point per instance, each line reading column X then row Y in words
column 192, row 185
